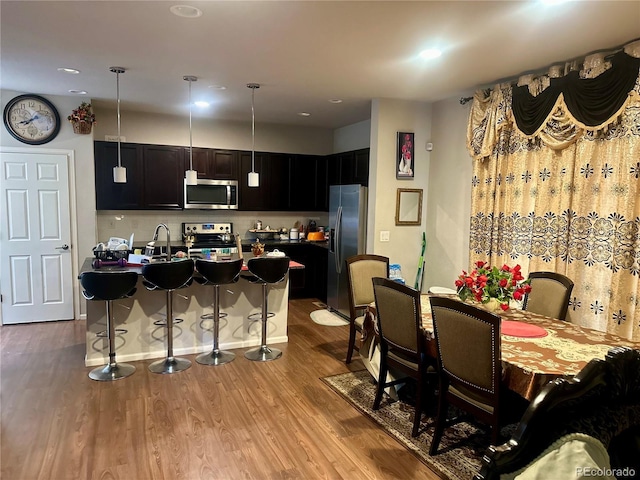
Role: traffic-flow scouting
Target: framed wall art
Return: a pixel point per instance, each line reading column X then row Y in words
column 404, row 160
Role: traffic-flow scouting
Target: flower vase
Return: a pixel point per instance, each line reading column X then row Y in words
column 493, row 305
column 82, row 128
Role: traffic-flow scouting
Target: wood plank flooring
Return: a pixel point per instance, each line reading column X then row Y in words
column 243, row 420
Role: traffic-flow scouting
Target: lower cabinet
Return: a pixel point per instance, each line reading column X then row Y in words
column 311, row 281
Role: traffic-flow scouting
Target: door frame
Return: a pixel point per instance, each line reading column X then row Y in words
column 73, row 217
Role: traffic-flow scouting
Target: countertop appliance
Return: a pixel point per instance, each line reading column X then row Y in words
column 217, row 237
column 347, row 237
column 211, row 195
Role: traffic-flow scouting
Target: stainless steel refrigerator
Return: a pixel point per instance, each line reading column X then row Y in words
column 347, row 237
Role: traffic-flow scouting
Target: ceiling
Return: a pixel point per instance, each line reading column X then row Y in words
column 303, row 53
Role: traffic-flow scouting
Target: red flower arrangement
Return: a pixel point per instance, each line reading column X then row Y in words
column 485, row 283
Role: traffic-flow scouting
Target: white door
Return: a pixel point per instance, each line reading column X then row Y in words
column 35, row 236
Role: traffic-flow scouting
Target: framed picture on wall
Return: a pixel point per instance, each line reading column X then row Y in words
column 404, row 160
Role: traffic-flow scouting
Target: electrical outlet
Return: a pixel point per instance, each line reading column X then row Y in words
column 384, row 235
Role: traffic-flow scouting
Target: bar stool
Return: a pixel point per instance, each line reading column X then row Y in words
column 216, row 274
column 265, row 271
column 109, row 286
column 168, row 276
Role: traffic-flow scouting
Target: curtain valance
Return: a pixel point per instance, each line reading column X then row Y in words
column 558, row 114
column 592, row 102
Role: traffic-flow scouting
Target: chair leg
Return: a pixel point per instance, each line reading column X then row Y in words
column 441, row 419
column 352, row 341
column 113, row 370
column 382, row 378
column 170, row 364
column 418, row 408
column 216, row 356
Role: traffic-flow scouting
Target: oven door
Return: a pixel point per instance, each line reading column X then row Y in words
column 211, row 195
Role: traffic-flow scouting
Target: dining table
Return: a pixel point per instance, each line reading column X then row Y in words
column 535, row 349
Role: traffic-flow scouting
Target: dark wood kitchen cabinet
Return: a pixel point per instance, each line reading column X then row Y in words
column 155, row 176
column 349, row 168
column 213, row 164
column 308, row 188
column 253, row 198
column 163, row 179
column 272, row 194
column 118, row 196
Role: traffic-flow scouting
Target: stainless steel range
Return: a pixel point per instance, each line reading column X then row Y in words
column 212, row 237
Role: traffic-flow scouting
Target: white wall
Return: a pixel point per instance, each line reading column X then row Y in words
column 388, row 117
column 352, row 137
column 449, row 199
column 139, row 127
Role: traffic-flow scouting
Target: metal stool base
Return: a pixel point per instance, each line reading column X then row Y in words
column 219, row 357
column 263, row 354
column 108, row 373
column 170, row 365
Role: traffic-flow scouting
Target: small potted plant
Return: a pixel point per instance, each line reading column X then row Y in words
column 82, row 119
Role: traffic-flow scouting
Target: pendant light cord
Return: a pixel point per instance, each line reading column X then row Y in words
column 118, row 97
column 253, row 130
column 190, row 131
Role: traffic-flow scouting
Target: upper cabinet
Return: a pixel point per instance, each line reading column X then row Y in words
column 288, row 182
column 163, row 179
column 118, row 196
column 154, row 176
column 349, row 168
column 214, row 164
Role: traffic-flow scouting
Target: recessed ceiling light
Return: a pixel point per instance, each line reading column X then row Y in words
column 78, row 92
column 335, row 100
column 73, row 71
column 201, row 104
column 186, row 11
column 218, row 87
column 304, row 114
column 430, row 53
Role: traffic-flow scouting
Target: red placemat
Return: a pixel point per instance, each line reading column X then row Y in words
column 521, row 329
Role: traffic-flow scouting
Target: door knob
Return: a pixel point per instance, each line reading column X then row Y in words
column 63, row 247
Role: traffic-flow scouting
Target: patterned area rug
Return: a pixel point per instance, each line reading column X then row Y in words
column 462, row 444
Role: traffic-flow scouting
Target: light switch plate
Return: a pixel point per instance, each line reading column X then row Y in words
column 384, row 235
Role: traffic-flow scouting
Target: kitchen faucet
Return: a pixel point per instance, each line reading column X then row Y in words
column 150, row 246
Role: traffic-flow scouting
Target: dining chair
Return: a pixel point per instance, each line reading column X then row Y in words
column 549, row 296
column 361, row 269
column 402, row 343
column 469, row 363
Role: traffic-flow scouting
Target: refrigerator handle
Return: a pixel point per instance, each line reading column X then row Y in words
column 338, row 239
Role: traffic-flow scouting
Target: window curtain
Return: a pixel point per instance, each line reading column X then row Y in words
column 556, row 183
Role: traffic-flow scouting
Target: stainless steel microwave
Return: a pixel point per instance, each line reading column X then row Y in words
column 211, row 195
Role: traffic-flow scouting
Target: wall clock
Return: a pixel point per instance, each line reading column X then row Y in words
column 32, row 119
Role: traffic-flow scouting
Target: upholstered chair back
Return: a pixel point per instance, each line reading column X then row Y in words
column 549, row 296
column 398, row 309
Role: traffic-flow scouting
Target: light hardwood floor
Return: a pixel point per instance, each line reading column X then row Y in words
column 241, row 420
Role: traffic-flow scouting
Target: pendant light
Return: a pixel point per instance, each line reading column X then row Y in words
column 119, row 172
column 191, row 175
column 254, row 178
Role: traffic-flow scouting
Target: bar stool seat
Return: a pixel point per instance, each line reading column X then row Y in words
column 109, row 286
column 266, row 271
column 217, row 273
column 169, row 276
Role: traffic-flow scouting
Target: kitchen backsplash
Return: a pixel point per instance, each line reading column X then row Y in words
column 142, row 224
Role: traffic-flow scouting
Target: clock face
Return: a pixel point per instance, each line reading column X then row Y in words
column 32, row 119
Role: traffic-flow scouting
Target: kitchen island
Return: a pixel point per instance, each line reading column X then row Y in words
column 144, row 340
